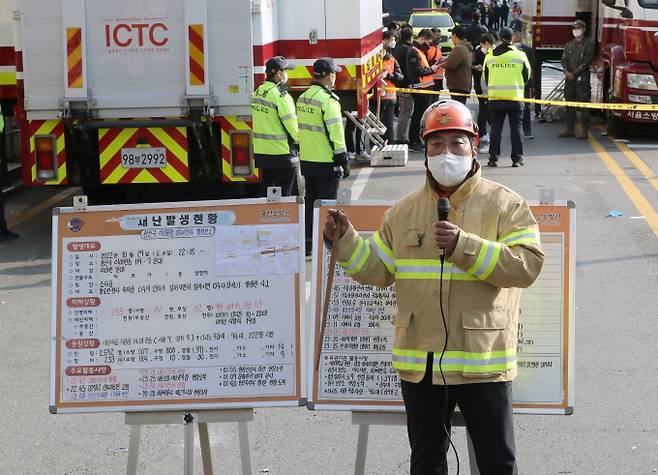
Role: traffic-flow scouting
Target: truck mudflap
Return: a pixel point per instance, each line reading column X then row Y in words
column 54, row 131
column 143, row 155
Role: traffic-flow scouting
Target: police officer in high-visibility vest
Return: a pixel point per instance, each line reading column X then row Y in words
column 322, row 151
column 5, row 234
column 275, row 130
column 506, row 71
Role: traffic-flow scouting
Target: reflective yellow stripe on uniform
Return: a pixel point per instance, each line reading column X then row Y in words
column 524, row 236
column 429, row 269
column 358, row 258
column 384, row 253
column 486, row 260
column 455, row 361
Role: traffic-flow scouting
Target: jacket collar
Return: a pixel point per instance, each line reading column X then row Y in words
column 461, row 193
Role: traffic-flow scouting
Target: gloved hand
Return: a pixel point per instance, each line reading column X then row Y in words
column 346, row 170
column 342, row 161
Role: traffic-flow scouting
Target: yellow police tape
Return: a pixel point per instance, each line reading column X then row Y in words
column 584, row 105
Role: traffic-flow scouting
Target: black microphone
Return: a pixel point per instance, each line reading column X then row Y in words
column 442, row 209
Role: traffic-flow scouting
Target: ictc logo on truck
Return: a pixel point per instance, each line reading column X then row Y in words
column 136, row 35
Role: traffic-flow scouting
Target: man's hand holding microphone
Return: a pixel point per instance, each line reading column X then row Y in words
column 446, row 234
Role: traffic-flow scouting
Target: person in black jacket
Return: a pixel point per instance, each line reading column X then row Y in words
column 486, row 43
column 405, row 100
column 504, row 14
column 529, row 87
column 475, row 31
column 419, row 74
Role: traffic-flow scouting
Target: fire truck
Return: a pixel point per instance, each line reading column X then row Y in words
column 141, row 94
column 626, row 66
column 8, row 92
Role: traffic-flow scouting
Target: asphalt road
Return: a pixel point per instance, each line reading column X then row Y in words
column 614, row 429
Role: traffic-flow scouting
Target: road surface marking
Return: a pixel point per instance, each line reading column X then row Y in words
column 628, row 186
column 35, row 210
column 360, row 182
column 635, row 159
column 648, row 146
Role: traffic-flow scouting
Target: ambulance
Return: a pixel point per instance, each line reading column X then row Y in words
column 126, row 93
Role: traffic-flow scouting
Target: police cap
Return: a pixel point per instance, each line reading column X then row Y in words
column 324, row 66
column 277, row 63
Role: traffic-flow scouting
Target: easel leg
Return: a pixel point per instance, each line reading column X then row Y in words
column 245, row 454
column 133, row 450
column 471, row 455
column 188, row 445
column 361, row 450
column 204, row 441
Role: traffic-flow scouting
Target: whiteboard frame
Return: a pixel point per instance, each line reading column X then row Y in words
column 570, row 366
column 174, row 406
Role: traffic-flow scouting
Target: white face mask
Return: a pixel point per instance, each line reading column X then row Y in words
column 449, row 169
column 577, row 33
column 391, row 44
column 484, row 49
column 284, row 80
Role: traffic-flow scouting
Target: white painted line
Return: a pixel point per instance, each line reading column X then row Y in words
column 308, row 291
column 360, row 182
column 643, row 145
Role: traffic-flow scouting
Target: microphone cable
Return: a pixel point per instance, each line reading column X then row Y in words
column 443, row 378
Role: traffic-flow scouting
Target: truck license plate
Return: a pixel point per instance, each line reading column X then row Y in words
column 151, row 157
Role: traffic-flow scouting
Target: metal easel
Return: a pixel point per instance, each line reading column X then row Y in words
column 188, row 418
column 365, row 419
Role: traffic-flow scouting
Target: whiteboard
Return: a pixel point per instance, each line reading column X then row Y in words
column 178, row 306
column 355, row 371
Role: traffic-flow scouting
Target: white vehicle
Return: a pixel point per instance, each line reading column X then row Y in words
column 143, row 91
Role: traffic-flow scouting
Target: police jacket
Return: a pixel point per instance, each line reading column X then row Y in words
column 498, row 252
column 506, row 71
column 274, row 125
column 322, row 147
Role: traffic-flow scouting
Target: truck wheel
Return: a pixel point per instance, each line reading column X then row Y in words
column 615, row 126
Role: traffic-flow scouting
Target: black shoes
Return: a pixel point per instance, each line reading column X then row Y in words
column 493, row 161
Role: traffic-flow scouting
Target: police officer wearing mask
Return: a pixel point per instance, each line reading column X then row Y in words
column 492, row 250
column 322, row 150
column 576, row 61
column 275, row 130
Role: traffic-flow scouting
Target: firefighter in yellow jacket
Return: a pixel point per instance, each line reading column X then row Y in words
column 492, row 249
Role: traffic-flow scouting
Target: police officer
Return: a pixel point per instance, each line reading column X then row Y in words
column 5, row 234
column 322, row 149
column 576, row 60
column 275, row 130
column 506, row 71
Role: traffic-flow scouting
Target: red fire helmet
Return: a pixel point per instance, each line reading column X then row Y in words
column 448, row 115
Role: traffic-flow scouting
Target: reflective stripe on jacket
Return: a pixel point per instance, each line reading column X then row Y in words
column 498, row 252
column 272, row 109
column 427, row 80
column 435, row 53
column 505, row 78
column 320, row 121
column 389, row 95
